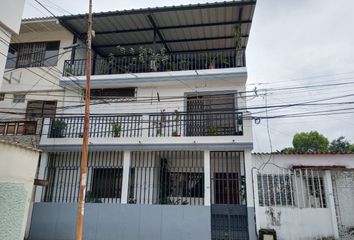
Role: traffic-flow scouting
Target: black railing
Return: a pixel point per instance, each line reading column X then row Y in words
column 164, row 124
column 18, row 128
column 169, row 62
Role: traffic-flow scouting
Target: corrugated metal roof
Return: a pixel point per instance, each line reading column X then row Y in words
column 182, row 28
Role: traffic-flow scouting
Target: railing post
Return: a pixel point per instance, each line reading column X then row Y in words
column 125, row 182
column 207, row 195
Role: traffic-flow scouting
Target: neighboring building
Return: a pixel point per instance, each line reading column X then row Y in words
column 30, row 88
column 170, row 141
column 10, row 20
column 304, row 196
column 18, row 167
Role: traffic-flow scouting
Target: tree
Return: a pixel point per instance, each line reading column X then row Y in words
column 339, row 145
column 310, row 142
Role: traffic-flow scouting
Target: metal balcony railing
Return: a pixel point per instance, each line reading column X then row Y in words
column 164, row 124
column 168, row 62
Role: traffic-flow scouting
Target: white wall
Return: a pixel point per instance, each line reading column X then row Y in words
column 11, row 14
column 294, row 222
column 18, row 167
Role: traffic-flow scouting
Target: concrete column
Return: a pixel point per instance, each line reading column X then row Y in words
column 41, row 175
column 250, row 195
column 207, row 198
column 126, row 171
column 331, row 204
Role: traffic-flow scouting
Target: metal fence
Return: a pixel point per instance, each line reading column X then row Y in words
column 164, row 124
column 169, row 62
column 172, row 178
column 304, row 188
column 104, row 177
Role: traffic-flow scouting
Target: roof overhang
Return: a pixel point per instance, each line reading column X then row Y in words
column 184, row 28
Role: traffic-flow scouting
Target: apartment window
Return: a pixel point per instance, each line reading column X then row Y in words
column 36, row 54
column 107, row 183
column 112, row 93
column 39, row 109
column 19, row 98
column 2, row 97
column 212, row 114
column 274, row 190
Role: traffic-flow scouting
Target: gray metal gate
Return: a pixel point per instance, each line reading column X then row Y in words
column 228, row 209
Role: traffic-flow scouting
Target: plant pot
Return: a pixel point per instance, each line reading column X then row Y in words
column 211, row 66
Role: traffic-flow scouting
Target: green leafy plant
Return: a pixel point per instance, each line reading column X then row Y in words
column 212, row 130
column 57, row 128
column 90, row 198
column 117, row 128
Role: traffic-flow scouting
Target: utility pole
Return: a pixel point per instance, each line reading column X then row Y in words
column 83, row 170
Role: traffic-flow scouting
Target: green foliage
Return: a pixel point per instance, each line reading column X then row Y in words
column 117, row 128
column 212, row 130
column 288, row 150
column 339, row 145
column 310, row 142
column 57, row 128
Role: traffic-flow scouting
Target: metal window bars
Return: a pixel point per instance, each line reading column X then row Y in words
column 303, row 188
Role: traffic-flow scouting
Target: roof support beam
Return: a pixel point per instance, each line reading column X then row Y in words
column 168, row 41
column 176, row 27
column 157, row 31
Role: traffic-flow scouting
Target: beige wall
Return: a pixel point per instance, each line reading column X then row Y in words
column 41, row 82
column 18, row 167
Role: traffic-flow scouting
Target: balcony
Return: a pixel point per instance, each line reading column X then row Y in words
column 18, row 128
column 157, row 63
column 164, row 124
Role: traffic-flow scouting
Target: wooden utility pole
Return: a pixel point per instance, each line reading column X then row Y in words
column 83, row 170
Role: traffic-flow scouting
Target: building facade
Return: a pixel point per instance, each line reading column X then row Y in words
column 30, row 90
column 170, row 138
column 304, row 196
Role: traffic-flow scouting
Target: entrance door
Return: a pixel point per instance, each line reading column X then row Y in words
column 228, row 209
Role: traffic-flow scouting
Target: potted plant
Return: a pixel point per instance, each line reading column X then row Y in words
column 117, row 128
column 175, row 133
column 212, row 130
column 57, row 128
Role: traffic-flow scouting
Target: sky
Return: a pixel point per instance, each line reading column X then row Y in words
column 298, row 43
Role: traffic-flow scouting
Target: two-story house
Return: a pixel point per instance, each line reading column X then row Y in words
column 170, row 138
column 30, row 88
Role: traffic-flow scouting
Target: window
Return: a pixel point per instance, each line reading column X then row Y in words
column 2, row 97
column 107, row 183
column 36, row 54
column 112, row 93
column 317, row 191
column 186, row 184
column 19, row 98
column 39, row 109
column 211, row 115
column 275, row 190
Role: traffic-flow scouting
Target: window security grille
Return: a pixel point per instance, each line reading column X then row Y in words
column 36, row 54
column 292, row 188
